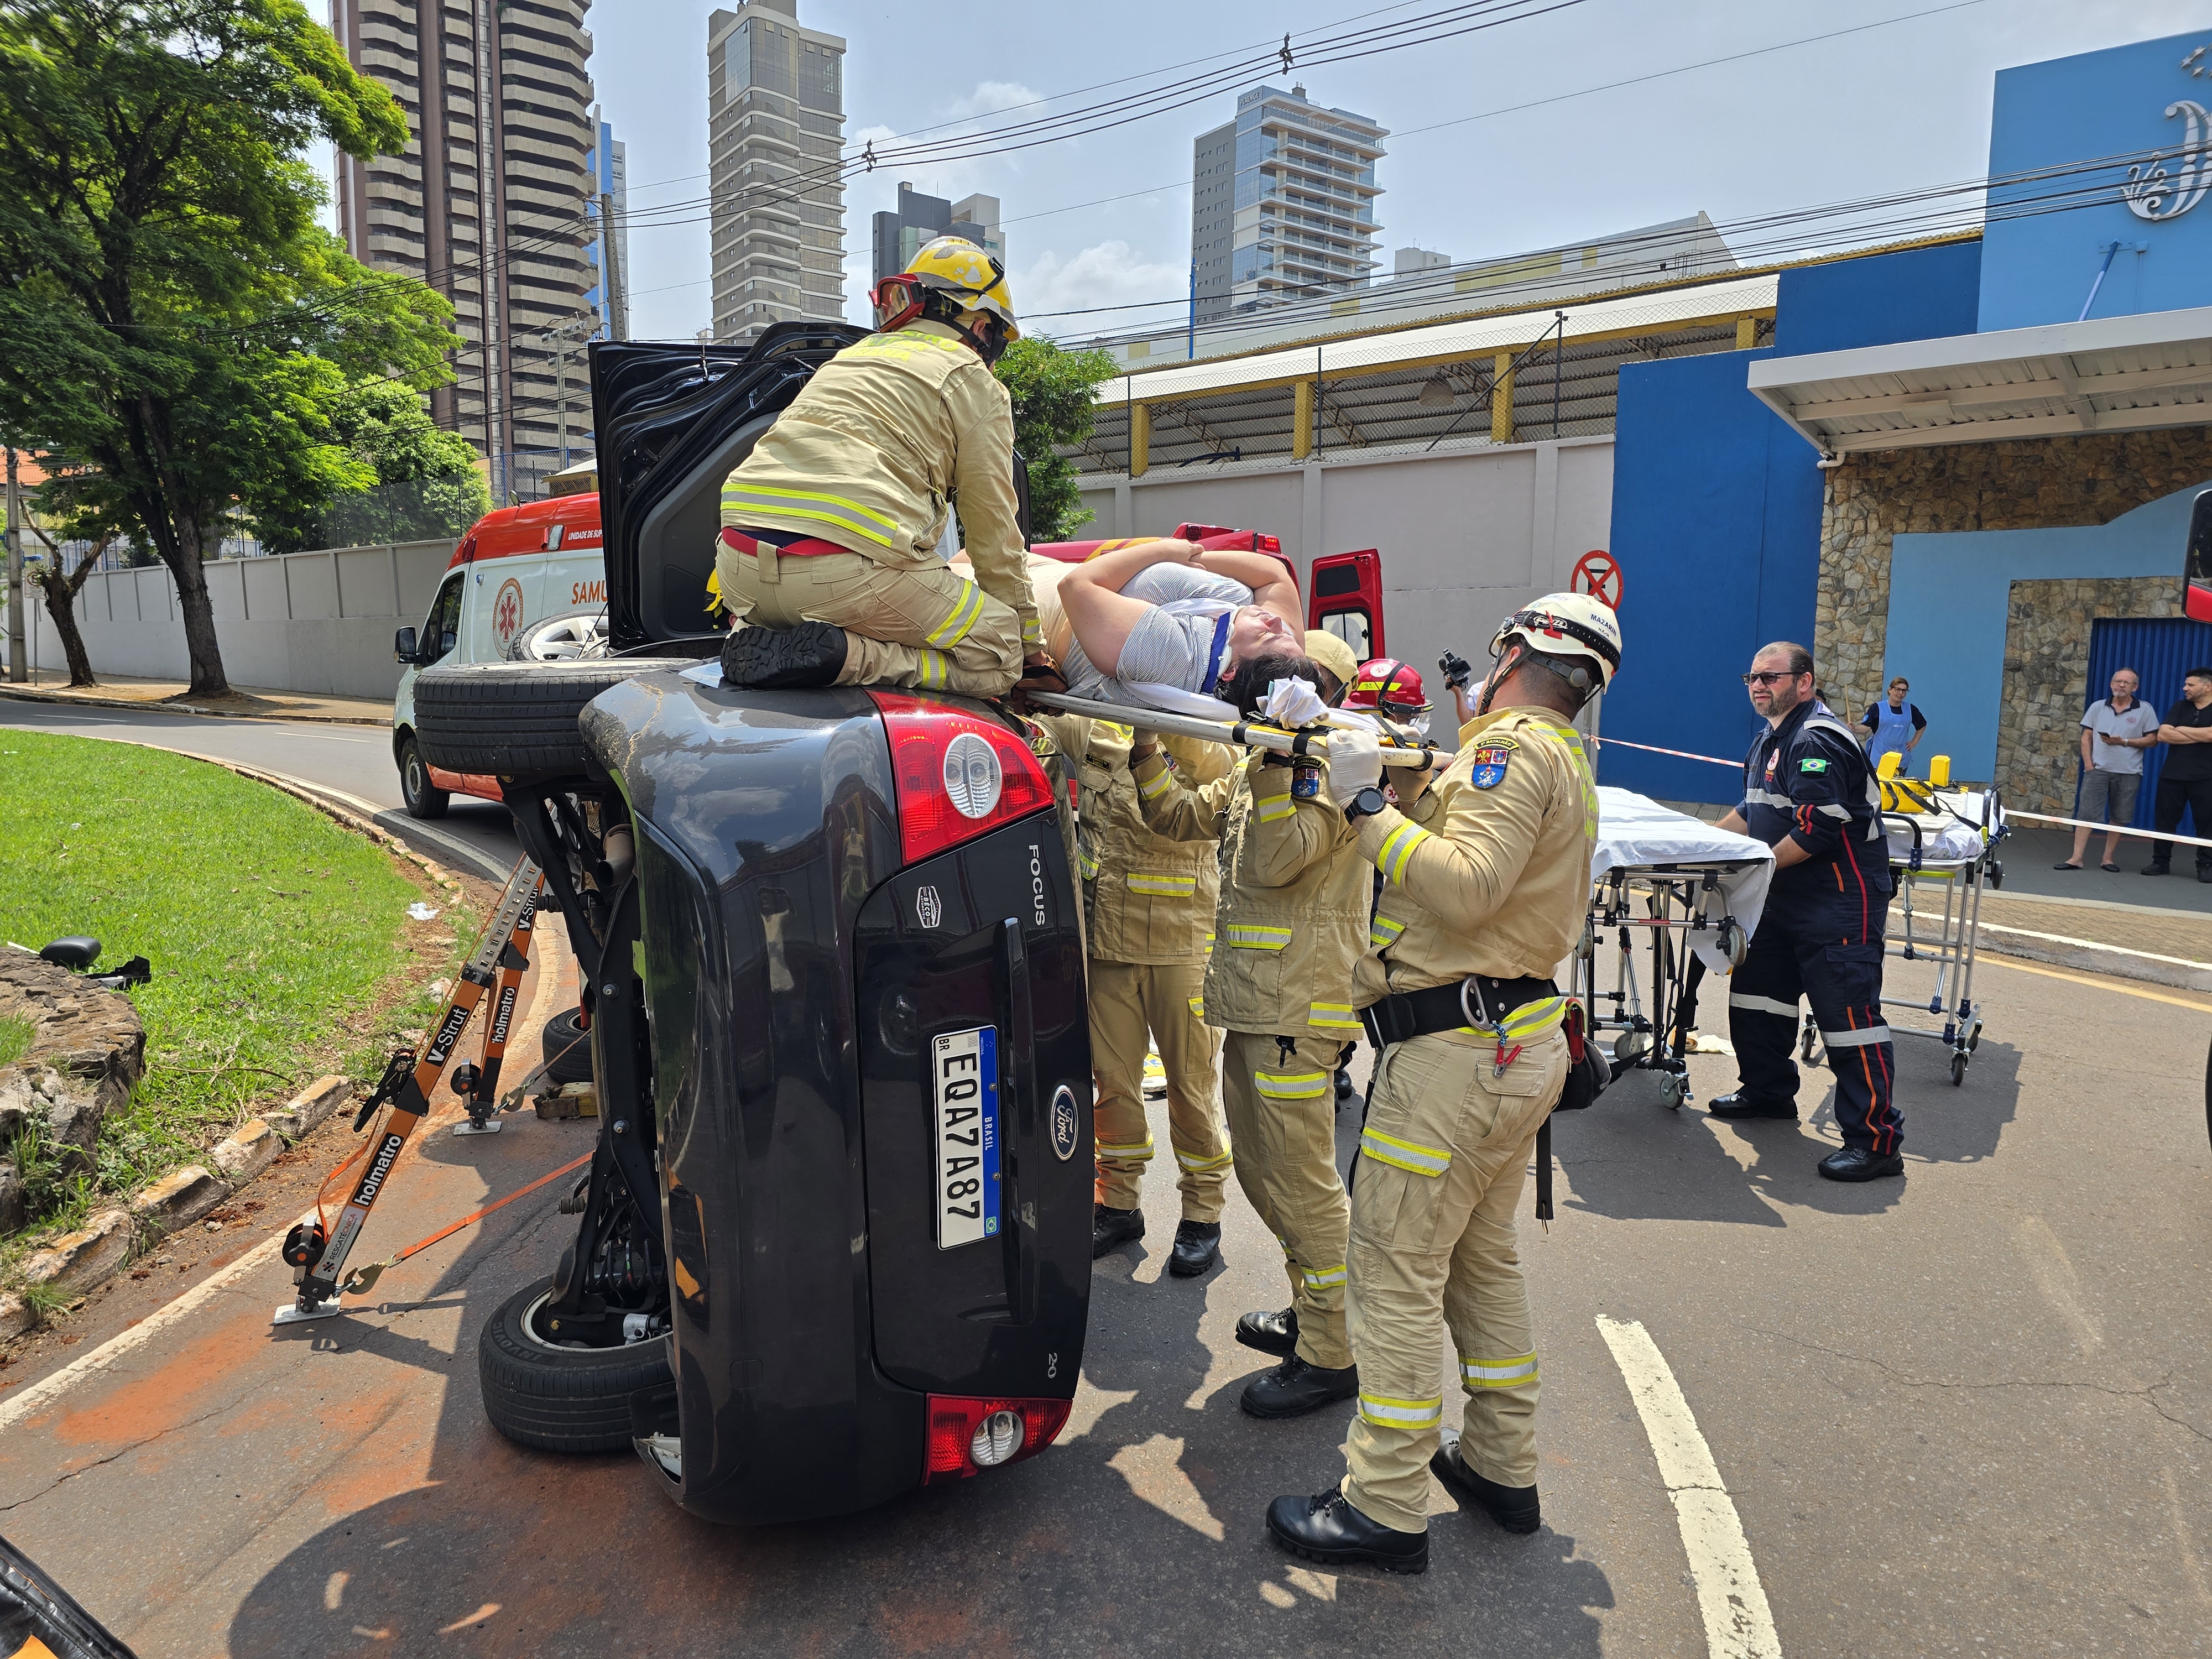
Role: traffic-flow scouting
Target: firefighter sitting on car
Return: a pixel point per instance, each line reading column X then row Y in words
column 1292, row 927
column 827, row 560
column 1486, row 879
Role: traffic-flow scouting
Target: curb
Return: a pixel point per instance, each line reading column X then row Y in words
column 2113, row 961
column 24, row 694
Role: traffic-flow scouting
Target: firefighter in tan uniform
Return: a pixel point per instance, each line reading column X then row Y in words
column 827, row 560
column 1486, row 882
column 1151, row 922
column 1291, row 925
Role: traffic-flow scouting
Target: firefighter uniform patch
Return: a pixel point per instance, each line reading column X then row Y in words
column 1489, row 763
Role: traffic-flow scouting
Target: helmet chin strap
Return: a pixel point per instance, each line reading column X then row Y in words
column 1500, row 669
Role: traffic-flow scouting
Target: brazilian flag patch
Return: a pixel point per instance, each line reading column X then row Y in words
column 1812, row 766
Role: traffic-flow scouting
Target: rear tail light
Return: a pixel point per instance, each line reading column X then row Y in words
column 967, row 1436
column 958, row 774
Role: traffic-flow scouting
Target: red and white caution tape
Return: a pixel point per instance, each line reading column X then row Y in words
column 2109, row 828
column 1678, row 754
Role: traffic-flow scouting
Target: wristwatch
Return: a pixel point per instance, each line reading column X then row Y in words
column 1364, row 805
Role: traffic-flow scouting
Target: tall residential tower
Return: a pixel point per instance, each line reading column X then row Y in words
column 776, row 121
column 1282, row 203
column 487, row 202
column 920, row 219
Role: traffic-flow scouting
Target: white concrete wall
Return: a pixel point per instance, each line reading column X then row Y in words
column 319, row 622
column 1466, row 537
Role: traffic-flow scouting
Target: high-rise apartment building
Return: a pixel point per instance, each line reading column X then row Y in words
column 775, row 122
column 487, row 202
column 899, row 236
column 608, row 297
column 1282, row 203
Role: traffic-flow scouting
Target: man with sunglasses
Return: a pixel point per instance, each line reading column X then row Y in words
column 1809, row 793
column 827, row 558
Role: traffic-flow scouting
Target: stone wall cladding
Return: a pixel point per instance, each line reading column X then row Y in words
column 2047, row 676
column 2028, row 484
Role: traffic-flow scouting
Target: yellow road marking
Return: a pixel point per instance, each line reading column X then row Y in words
column 1993, row 961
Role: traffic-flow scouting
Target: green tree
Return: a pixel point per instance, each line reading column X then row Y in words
column 172, row 319
column 420, row 481
column 1052, row 392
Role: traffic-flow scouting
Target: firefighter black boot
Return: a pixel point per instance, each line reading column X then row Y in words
column 784, row 658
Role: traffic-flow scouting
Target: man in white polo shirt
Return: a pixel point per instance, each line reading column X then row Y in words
column 2115, row 732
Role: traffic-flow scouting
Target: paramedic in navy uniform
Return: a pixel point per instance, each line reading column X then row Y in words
column 1809, row 793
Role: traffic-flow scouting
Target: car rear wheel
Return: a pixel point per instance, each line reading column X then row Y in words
column 568, row 1051
column 538, row 1392
column 513, row 718
column 423, row 798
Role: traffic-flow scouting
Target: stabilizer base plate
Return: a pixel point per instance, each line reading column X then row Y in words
column 491, row 1127
column 293, row 1313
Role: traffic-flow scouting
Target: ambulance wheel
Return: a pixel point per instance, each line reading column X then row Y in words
column 1673, row 1091
column 538, row 1392
column 423, row 798
column 1733, row 943
column 514, row 718
column 1958, row 1068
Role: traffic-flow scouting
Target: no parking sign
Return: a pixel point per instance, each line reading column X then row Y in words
column 1598, row 573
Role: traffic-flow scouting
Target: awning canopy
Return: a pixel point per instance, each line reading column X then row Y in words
column 2114, row 374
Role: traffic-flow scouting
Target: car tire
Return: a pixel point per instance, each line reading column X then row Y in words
column 555, row 1398
column 514, row 718
column 568, row 1051
column 423, row 798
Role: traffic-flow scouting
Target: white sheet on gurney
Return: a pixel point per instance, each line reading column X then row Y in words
column 1941, row 836
column 1634, row 830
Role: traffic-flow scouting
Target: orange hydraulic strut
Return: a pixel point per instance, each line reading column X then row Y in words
column 494, row 967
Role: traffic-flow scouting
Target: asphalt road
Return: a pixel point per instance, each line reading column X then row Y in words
column 352, row 761
column 1968, row 1412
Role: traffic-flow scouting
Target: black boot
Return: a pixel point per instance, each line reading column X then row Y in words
column 1344, row 1090
column 1295, row 1387
column 1197, row 1247
column 1110, row 1227
column 2158, row 867
column 1514, row 1508
column 1859, row 1163
column 1325, row 1527
column 1270, row 1332
column 784, row 658
column 1738, row 1106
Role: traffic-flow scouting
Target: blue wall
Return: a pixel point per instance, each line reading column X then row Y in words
column 2160, row 650
column 1949, row 596
column 2038, row 269
column 1717, row 514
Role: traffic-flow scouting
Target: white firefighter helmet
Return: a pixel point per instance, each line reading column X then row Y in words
column 1567, row 624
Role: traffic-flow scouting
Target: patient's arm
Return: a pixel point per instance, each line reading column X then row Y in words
column 1098, row 612
column 1271, row 583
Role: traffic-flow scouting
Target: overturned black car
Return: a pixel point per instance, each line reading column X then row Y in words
column 835, row 1243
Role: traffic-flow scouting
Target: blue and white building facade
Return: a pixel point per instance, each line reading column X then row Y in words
column 608, row 297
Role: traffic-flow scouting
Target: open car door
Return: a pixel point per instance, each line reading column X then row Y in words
column 1347, row 600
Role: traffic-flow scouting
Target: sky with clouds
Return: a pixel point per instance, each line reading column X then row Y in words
column 1884, row 108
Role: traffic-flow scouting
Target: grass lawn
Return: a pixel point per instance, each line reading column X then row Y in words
column 280, row 942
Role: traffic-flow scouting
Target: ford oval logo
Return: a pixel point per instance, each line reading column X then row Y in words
column 1067, row 1123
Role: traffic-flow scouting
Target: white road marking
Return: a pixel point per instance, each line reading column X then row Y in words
column 1739, row 1624
column 45, row 1392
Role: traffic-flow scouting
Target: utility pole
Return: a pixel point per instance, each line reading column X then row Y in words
column 559, row 340
column 611, row 277
column 18, row 655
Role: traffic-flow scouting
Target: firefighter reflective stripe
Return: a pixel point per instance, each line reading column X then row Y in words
column 1157, row 785
column 1573, row 740
column 1172, row 886
column 1032, row 631
column 1257, row 936
column 1090, row 862
column 1397, row 847
column 1275, row 807
column 1534, row 1019
column 1498, row 1373
column 1136, row 1153
column 1292, row 1086
column 810, row 504
column 1332, row 1016
column 1872, row 1034
column 932, row 670
column 1403, row 1154
column 1383, row 932
column 1197, row 1007
column 1762, row 1005
column 1413, row 1415
column 1320, row 1279
column 1201, row 1165
column 1768, row 797
column 954, row 628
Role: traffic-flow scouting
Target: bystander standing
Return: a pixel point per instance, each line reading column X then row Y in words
column 2186, row 781
column 2115, row 732
column 1893, row 726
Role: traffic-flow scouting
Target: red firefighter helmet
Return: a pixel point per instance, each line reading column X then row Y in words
column 1388, row 687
